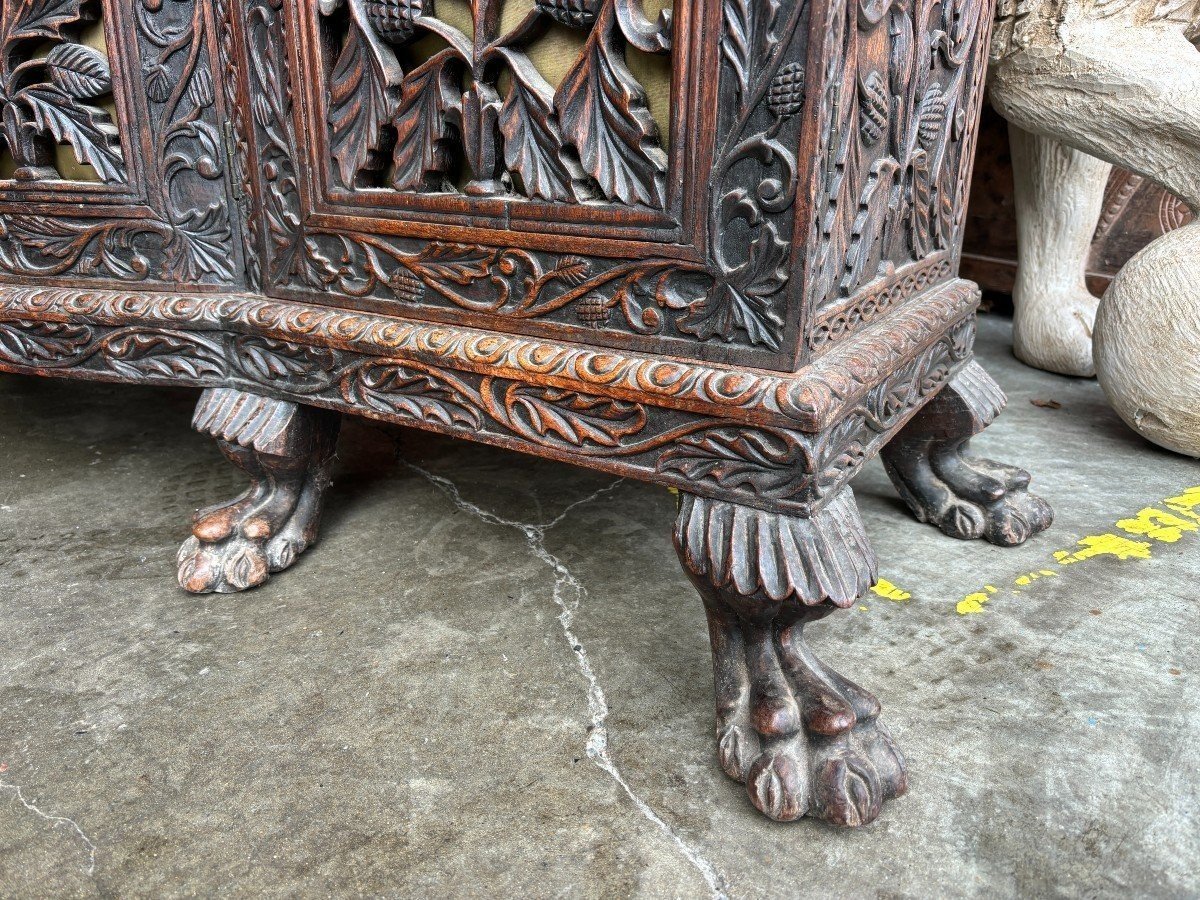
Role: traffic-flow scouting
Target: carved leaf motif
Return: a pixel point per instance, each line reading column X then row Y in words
column 87, row 129
column 746, row 299
column 604, row 114
column 199, row 246
column 41, row 18
column 576, row 419
column 79, row 71
column 572, row 270
column 163, row 353
column 42, row 341
column 920, row 201
column 358, row 106
column 770, row 463
column 460, row 263
column 873, row 98
column 931, row 117
column 533, row 144
column 416, row 393
column 424, row 135
column 747, row 23
column 300, row 366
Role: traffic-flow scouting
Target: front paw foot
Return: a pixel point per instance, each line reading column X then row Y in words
column 815, row 747
column 287, row 450
column 223, row 557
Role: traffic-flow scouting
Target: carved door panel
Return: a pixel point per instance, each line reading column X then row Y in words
column 113, row 160
column 567, row 168
column 684, row 181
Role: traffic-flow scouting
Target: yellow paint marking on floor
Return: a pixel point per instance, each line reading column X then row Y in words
column 1104, row 545
column 1185, row 503
column 1167, row 526
column 1157, row 524
column 889, row 591
column 973, row 603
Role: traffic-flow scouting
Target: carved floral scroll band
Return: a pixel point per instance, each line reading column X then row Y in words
column 770, row 467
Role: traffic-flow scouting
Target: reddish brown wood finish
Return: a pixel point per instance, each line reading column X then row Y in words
column 303, row 208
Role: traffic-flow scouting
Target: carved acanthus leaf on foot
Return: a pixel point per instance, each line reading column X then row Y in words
column 805, row 740
column 287, row 450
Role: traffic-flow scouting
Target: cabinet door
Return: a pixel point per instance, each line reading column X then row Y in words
column 606, row 171
column 113, row 161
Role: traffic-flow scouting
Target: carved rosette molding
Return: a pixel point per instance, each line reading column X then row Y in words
column 699, row 428
column 901, row 95
column 186, row 237
column 810, row 399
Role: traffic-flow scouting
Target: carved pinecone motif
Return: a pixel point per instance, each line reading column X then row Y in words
column 786, row 96
column 873, row 100
column 593, row 310
column 572, row 13
column 393, row 19
column 406, row 287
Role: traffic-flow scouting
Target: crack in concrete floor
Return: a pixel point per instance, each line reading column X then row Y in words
column 55, row 822
column 597, row 742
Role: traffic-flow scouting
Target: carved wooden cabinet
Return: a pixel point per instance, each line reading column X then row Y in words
column 713, row 247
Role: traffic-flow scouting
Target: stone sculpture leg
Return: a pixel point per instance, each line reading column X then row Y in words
column 287, row 450
column 943, row 484
column 804, row 740
column 1126, row 89
column 1059, row 194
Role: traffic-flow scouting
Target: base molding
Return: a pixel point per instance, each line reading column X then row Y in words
column 780, row 442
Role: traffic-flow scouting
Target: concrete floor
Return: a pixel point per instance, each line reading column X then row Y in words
column 409, row 711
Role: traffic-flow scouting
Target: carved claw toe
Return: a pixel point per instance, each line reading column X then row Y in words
column 847, row 791
column 737, row 748
column 778, row 785
column 234, row 564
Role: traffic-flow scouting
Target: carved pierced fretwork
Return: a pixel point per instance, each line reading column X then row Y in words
column 183, row 232
column 902, row 90
column 589, row 141
column 482, row 103
column 55, row 96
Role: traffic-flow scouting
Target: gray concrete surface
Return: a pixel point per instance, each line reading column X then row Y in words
column 409, row 711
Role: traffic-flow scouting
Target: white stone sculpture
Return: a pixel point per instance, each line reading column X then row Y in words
column 1082, row 81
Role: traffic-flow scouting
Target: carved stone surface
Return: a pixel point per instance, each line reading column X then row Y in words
column 1138, row 109
column 383, row 208
column 287, row 450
